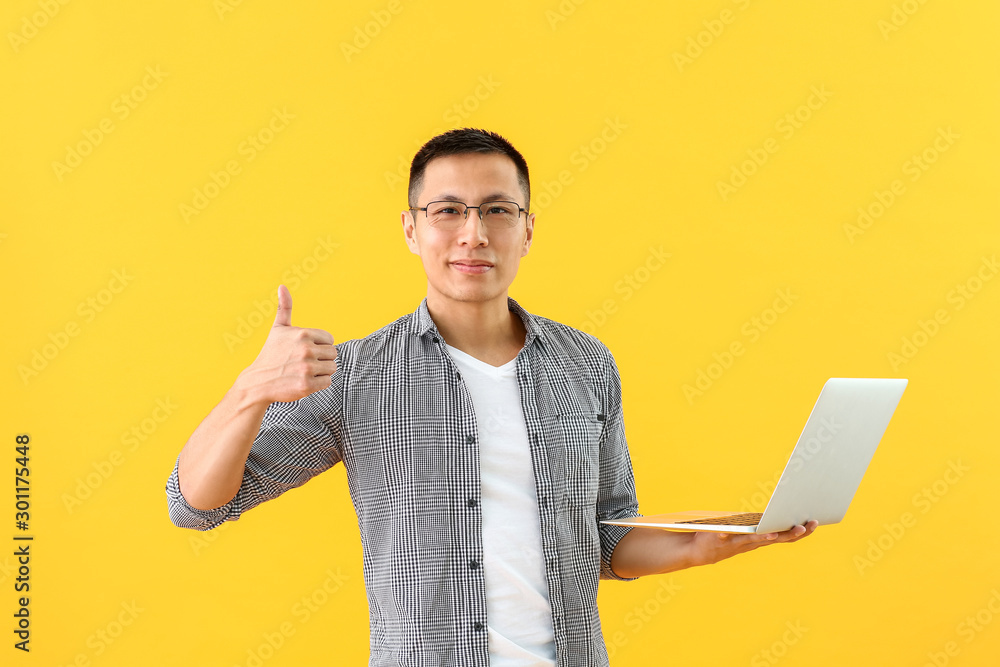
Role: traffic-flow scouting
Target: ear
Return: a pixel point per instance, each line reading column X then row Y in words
column 410, row 232
column 529, row 231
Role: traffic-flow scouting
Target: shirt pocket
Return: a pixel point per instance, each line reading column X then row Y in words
column 580, row 434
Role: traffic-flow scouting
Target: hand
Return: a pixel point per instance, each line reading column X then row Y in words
column 294, row 361
column 708, row 547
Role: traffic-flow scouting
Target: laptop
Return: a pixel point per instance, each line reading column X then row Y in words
column 825, row 468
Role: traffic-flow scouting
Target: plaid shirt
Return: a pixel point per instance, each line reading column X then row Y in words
column 400, row 418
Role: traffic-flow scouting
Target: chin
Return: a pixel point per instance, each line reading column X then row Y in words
column 467, row 295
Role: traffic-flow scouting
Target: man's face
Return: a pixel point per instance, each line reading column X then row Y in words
column 472, row 263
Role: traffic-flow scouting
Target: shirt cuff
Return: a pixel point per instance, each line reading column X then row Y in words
column 183, row 515
column 610, row 537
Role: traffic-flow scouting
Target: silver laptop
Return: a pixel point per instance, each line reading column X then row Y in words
column 824, row 470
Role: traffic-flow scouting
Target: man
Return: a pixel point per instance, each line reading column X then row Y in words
column 483, row 444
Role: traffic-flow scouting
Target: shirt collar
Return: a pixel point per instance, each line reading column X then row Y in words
column 422, row 323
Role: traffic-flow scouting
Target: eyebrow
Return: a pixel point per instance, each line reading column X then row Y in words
column 495, row 196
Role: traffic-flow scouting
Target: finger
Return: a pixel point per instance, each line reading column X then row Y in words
column 283, row 318
column 792, row 534
column 810, row 528
column 318, row 336
column 326, row 352
column 739, row 541
column 318, row 383
column 324, row 368
column 754, row 540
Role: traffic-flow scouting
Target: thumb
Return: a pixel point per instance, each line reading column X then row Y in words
column 283, row 318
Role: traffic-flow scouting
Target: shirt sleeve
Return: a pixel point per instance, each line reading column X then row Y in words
column 616, row 497
column 296, row 441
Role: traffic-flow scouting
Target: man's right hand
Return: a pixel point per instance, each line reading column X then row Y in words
column 294, row 361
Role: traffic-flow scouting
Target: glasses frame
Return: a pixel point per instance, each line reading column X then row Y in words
column 468, row 208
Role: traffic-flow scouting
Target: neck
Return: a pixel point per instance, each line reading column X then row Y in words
column 487, row 330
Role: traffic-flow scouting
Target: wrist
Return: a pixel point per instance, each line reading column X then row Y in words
column 680, row 553
column 244, row 396
column 689, row 551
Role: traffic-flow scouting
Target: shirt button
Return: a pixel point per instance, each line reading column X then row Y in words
column 435, row 339
column 477, row 625
column 600, row 417
column 469, row 439
column 474, row 564
column 471, row 502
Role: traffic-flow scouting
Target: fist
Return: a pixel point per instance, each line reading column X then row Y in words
column 294, row 361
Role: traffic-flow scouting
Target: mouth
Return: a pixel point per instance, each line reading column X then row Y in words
column 473, row 266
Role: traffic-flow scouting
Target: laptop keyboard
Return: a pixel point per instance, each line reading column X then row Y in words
column 744, row 519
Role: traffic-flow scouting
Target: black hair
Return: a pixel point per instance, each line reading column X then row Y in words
column 460, row 141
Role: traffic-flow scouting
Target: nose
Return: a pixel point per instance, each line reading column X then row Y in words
column 474, row 233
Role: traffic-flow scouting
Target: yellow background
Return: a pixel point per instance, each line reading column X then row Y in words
column 552, row 77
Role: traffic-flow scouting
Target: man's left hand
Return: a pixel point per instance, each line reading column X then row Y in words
column 708, row 547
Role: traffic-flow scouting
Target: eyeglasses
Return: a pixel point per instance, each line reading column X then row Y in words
column 452, row 215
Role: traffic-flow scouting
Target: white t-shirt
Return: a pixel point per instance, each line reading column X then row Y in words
column 518, row 613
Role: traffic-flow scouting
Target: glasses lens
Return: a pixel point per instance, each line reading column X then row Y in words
column 500, row 213
column 446, row 213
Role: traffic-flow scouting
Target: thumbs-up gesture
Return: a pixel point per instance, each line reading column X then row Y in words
column 294, row 361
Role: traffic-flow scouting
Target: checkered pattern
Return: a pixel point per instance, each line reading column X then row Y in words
column 400, row 418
